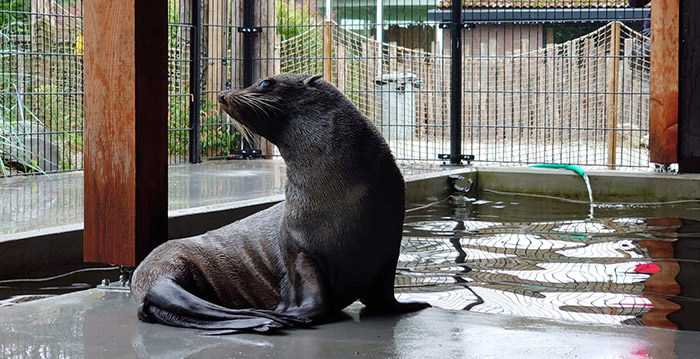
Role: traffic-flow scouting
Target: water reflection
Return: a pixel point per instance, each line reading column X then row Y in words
column 498, row 256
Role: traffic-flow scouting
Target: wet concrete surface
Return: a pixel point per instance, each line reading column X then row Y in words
column 31, row 203
column 102, row 324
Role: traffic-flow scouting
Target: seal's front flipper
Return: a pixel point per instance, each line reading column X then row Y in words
column 380, row 296
column 303, row 291
column 168, row 303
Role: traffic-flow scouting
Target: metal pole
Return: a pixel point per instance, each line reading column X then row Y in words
column 195, row 81
column 456, row 85
column 248, row 23
column 380, row 37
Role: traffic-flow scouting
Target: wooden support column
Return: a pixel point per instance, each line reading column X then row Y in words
column 126, row 108
column 663, row 110
column 264, row 50
column 613, row 88
column 689, row 87
column 327, row 51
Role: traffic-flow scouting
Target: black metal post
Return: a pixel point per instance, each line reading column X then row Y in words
column 195, row 81
column 456, row 85
column 248, row 24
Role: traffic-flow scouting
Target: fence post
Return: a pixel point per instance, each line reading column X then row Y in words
column 456, row 85
column 195, row 83
column 248, row 34
column 612, row 94
column 327, row 50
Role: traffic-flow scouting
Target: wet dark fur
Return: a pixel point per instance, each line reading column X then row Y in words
column 335, row 239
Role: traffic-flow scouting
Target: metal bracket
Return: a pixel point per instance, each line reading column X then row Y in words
column 248, row 155
column 249, row 30
column 446, row 157
column 665, row 168
column 453, row 183
column 464, row 25
column 124, row 283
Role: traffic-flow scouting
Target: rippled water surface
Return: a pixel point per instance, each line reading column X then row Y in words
column 524, row 256
column 546, row 258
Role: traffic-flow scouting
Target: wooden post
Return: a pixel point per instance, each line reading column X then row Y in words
column 264, row 52
column 327, row 51
column 126, row 107
column 663, row 83
column 689, row 87
column 216, row 11
column 612, row 94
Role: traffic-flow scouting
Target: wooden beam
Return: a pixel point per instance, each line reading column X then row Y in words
column 689, row 87
column 663, row 111
column 612, row 99
column 125, row 129
column 327, row 51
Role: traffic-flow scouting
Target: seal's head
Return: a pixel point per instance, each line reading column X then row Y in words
column 291, row 110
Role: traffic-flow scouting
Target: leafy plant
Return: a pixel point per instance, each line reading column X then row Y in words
column 293, row 20
column 217, row 137
column 12, row 148
column 14, row 15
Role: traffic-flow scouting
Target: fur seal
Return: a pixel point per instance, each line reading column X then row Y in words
column 334, row 239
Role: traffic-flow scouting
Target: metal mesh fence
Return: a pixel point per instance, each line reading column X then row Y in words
column 41, row 86
column 560, row 82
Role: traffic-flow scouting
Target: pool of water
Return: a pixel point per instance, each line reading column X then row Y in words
column 547, row 258
column 524, row 256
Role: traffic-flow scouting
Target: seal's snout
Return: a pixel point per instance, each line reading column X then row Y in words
column 222, row 99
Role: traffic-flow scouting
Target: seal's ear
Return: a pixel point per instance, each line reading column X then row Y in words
column 311, row 79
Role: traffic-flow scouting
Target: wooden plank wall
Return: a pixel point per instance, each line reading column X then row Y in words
column 125, row 175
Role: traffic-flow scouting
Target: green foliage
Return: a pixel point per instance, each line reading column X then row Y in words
column 173, row 11
column 217, row 138
column 291, row 20
column 14, row 16
column 178, row 122
column 64, row 114
column 13, row 117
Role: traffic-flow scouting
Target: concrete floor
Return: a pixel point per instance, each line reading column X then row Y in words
column 31, row 203
column 103, row 324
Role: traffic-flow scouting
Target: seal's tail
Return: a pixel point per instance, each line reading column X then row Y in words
column 168, row 303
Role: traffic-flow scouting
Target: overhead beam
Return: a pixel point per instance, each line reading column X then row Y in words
column 125, row 142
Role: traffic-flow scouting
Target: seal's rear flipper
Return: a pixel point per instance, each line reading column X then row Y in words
column 168, row 303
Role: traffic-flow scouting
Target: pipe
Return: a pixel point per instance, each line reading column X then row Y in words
column 573, row 168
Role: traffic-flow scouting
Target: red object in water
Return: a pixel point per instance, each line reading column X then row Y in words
column 644, row 353
column 648, row 268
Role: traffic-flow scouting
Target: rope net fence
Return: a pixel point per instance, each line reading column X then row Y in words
column 584, row 101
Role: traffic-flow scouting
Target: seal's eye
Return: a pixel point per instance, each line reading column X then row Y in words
column 265, row 84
